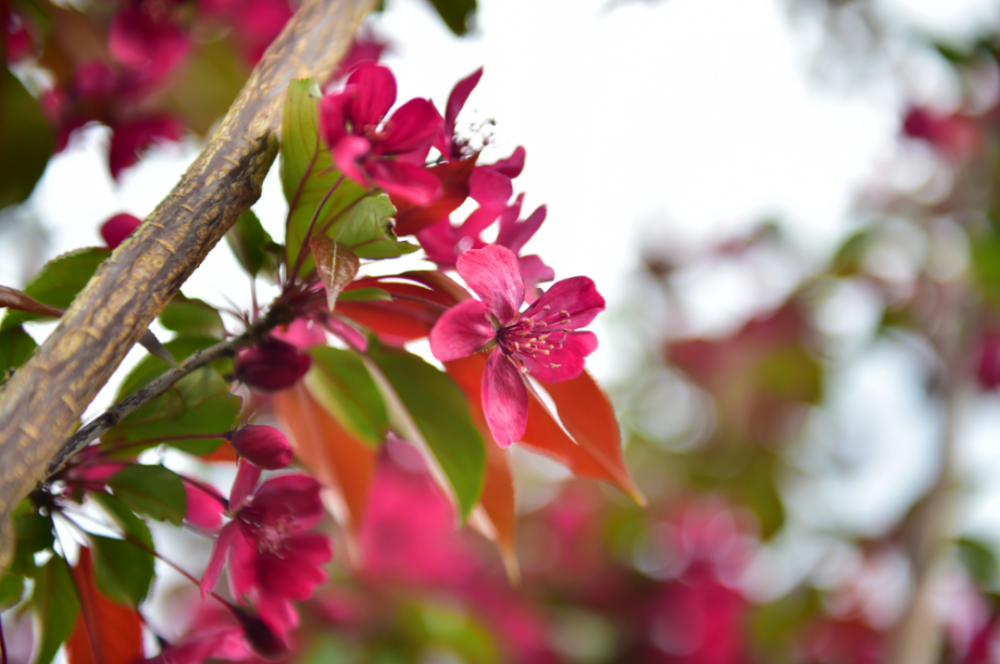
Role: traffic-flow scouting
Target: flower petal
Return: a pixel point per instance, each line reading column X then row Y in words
column 459, row 95
column 514, row 235
column 461, row 331
column 348, row 153
column 277, row 613
column 374, row 94
column 505, row 399
column 406, row 180
column 410, row 128
column 495, row 276
column 490, row 188
column 204, row 506
column 243, row 562
column 562, row 363
column 512, row 165
column 576, row 295
column 246, row 479
column 333, row 117
column 218, row 558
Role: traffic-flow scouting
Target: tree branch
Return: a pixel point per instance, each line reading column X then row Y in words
column 42, row 403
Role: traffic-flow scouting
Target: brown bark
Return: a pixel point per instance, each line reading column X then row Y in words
column 43, row 401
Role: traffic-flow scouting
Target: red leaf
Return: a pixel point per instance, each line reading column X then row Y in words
column 115, row 627
column 454, row 179
column 595, row 454
column 222, row 453
column 497, row 499
column 329, row 452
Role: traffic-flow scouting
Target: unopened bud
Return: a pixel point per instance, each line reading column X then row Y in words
column 117, row 228
column 263, row 446
column 271, row 366
column 265, row 642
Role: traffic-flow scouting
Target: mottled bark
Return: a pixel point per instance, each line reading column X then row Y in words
column 43, row 401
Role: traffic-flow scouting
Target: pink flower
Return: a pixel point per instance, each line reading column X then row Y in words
column 351, row 123
column 219, row 632
column 271, row 366
column 540, row 341
column 272, row 561
column 988, row 364
column 133, row 137
column 263, row 446
column 365, row 48
column 117, row 228
column 143, row 38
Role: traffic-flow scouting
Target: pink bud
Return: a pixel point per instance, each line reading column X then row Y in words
column 263, row 446
column 988, row 365
column 271, row 366
column 117, row 228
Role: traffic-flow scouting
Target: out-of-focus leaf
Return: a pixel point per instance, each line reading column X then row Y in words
column 335, row 457
column 498, row 520
column 367, row 228
column 307, row 171
column 123, row 516
column 336, row 265
column 986, row 265
column 252, row 245
column 16, row 346
column 458, row 15
column 340, row 382
column 192, row 317
column 427, row 409
column 33, row 534
column 756, row 487
column 58, row 282
column 791, row 373
column 199, row 403
column 213, row 78
column 117, row 630
column 54, row 600
column 776, row 625
column 454, row 179
column 150, row 368
column 25, row 133
column 11, row 590
column 979, row 559
column 847, row 261
column 122, row 570
column 452, row 629
column 152, row 490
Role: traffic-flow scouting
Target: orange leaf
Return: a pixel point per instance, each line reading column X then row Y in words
column 596, row 454
column 414, row 311
column 495, row 517
column 334, row 456
column 223, row 453
column 454, row 179
column 115, row 627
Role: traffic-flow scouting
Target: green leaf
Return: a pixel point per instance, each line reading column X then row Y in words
column 986, row 265
column 199, row 403
column 307, row 171
column 122, row 570
column 365, row 295
column 55, row 601
column 458, row 15
column 192, row 317
column 979, row 559
column 11, row 591
column 252, row 245
column 33, row 534
column 132, row 526
column 340, row 382
column 367, row 230
column 429, row 410
column 150, row 368
column 58, row 282
column 16, row 346
column 24, row 132
column 152, row 490
column 212, row 79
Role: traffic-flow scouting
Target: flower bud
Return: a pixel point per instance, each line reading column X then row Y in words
column 271, row 366
column 117, row 228
column 263, row 446
column 265, row 642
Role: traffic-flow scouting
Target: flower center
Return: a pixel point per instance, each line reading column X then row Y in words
column 536, row 336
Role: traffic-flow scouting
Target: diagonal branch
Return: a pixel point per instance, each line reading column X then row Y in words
column 43, row 401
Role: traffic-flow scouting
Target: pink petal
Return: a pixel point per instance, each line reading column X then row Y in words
column 405, row 180
column 347, row 333
column 514, row 235
column 132, row 138
column 365, row 48
column 246, row 479
column 219, row 551
column 562, row 363
column 459, row 95
column 505, row 399
column 461, row 331
column 479, row 220
column 374, row 94
column 153, row 45
column 303, row 333
column 243, row 562
column 438, row 242
column 512, row 165
column 277, row 613
column 534, row 270
column 348, row 153
column 333, row 117
column 204, row 506
column 494, row 274
column 410, row 128
column 489, row 188
column 576, row 295
column 294, row 496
